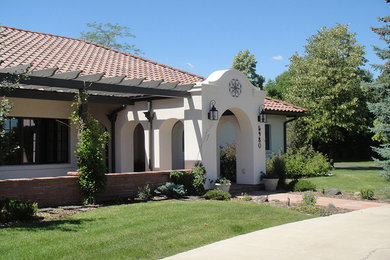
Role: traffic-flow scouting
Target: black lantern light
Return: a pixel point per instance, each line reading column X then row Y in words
column 213, row 112
column 262, row 117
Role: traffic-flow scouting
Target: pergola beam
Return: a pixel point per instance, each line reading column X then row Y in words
column 95, row 86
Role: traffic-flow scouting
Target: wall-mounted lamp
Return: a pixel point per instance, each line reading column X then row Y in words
column 262, row 117
column 213, row 112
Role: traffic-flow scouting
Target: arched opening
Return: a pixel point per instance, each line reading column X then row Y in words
column 177, row 146
column 234, row 127
column 227, row 141
column 139, row 148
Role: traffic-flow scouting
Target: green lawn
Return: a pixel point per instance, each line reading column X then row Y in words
column 145, row 230
column 370, row 163
column 350, row 180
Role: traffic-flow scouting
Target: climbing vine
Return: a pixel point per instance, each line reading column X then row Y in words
column 90, row 150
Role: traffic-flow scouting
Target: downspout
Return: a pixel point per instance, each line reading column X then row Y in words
column 285, row 133
column 150, row 116
column 112, row 117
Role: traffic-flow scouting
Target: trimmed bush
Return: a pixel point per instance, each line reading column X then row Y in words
column 302, row 185
column 367, row 194
column 16, row 210
column 307, row 163
column 217, row 195
column 192, row 181
column 171, row 190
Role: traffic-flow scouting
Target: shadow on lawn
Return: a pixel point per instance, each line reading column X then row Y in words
column 65, row 225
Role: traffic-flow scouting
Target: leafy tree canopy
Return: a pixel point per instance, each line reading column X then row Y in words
column 326, row 81
column 380, row 106
column 246, row 63
column 107, row 34
column 278, row 88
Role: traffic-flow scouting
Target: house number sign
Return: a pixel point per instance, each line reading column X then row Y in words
column 235, row 87
column 259, row 140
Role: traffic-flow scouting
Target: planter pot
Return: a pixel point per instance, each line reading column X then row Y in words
column 222, row 186
column 270, row 184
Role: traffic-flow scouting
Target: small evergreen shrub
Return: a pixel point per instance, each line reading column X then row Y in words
column 367, row 194
column 303, row 185
column 306, row 163
column 171, row 190
column 309, row 198
column 16, row 210
column 228, row 162
column 145, row 193
column 217, row 195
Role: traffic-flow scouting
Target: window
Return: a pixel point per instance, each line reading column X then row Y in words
column 267, row 137
column 35, row 141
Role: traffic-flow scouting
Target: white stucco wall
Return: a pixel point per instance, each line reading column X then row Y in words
column 202, row 137
column 276, row 134
column 250, row 145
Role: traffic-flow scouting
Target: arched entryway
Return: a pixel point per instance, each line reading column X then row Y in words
column 227, row 140
column 178, row 146
column 139, row 148
column 234, row 127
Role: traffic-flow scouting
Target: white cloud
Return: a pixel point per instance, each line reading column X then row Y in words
column 277, row 57
column 190, row 65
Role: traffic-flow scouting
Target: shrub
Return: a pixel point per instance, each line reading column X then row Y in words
column 228, row 162
column 367, row 194
column 199, row 178
column 171, row 190
column 302, row 185
column 14, row 210
column 193, row 181
column 309, row 198
column 217, row 195
column 312, row 210
column 307, row 163
column 145, row 193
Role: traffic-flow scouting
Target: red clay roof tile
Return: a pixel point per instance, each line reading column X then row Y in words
column 46, row 51
column 274, row 105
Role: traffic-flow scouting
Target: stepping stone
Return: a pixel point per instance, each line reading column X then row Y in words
column 333, row 192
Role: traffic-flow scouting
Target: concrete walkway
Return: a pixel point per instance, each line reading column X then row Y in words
column 362, row 234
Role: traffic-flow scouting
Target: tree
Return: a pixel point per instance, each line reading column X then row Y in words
column 326, row 81
column 278, row 88
column 107, row 34
column 380, row 106
column 246, row 63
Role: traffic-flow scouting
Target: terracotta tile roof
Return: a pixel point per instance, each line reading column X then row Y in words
column 44, row 50
column 272, row 105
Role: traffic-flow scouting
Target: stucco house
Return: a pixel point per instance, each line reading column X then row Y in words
column 159, row 117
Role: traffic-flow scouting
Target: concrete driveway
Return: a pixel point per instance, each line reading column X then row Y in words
column 362, row 234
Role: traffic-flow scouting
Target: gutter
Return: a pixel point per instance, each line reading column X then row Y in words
column 112, row 117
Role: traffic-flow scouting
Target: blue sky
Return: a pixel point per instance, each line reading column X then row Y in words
column 203, row 36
